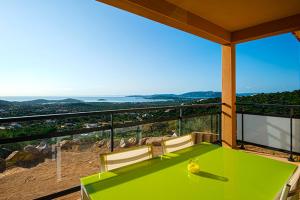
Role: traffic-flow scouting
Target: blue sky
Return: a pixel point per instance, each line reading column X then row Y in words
column 86, row 48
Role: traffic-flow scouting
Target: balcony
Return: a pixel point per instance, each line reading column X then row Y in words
column 62, row 150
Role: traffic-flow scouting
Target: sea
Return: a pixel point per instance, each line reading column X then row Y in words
column 112, row 99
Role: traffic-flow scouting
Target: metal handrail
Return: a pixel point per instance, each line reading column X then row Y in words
column 267, row 105
column 111, row 126
column 104, row 112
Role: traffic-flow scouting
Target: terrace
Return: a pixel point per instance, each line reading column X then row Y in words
column 68, row 151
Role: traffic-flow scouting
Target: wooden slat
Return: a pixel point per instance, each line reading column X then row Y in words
column 276, row 27
column 228, row 96
column 174, row 16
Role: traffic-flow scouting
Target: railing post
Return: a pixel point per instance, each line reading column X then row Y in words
column 216, row 124
column 211, row 123
column 291, row 135
column 111, row 132
column 138, row 136
column 263, row 109
column 242, row 145
column 58, row 160
column 219, row 126
column 180, row 121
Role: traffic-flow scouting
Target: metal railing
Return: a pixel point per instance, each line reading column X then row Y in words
column 289, row 112
column 111, row 126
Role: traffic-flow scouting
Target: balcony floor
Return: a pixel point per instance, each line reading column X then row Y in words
column 277, row 155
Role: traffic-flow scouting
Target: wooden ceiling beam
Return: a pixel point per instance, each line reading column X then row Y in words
column 267, row 29
column 174, row 16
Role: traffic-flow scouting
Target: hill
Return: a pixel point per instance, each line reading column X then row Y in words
column 201, row 94
column 45, row 101
column 187, row 96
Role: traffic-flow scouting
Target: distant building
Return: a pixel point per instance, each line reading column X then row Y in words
column 93, row 125
column 62, row 111
column 50, row 121
column 67, row 125
column 104, row 124
column 14, row 126
column 139, row 118
column 3, row 111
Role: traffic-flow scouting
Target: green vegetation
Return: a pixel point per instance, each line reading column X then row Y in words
column 38, row 107
column 283, row 98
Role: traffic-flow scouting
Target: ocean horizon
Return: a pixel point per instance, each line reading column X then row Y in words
column 112, row 99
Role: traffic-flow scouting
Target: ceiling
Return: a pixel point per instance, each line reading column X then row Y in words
column 222, row 21
column 235, row 15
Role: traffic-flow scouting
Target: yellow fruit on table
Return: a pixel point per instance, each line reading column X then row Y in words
column 193, row 167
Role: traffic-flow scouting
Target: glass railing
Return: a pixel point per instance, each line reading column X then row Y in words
column 44, row 156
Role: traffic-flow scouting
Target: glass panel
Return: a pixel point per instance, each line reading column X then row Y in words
column 146, row 134
column 41, row 167
column 208, row 125
column 200, row 124
column 42, row 127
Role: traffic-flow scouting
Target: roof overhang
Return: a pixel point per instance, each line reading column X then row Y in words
column 224, row 22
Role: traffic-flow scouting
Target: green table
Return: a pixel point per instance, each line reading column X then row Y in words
column 225, row 174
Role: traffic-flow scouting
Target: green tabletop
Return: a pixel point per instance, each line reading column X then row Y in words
column 225, row 174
